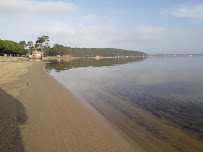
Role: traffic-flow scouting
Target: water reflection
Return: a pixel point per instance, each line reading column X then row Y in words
column 158, row 102
column 66, row 63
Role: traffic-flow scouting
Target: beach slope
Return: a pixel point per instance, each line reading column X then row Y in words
column 56, row 121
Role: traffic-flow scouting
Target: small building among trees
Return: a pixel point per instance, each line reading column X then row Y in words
column 36, row 54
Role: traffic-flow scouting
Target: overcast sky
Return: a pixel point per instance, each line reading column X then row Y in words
column 152, row 26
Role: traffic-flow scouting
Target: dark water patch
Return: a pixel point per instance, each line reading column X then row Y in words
column 179, row 111
column 12, row 114
column 137, row 121
column 185, row 115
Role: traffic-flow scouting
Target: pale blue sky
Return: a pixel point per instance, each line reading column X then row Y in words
column 169, row 26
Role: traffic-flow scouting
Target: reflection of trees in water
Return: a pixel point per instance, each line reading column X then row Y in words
column 12, row 114
column 76, row 63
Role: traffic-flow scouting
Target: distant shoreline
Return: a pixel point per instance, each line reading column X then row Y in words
column 100, row 57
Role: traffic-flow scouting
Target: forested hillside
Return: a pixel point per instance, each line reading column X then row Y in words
column 42, row 44
column 90, row 52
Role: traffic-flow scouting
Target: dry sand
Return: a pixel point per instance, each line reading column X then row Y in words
column 46, row 117
column 12, row 112
column 12, row 69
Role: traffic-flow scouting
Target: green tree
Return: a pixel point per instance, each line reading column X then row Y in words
column 40, row 42
column 30, row 46
column 11, row 47
column 23, row 44
column 46, row 48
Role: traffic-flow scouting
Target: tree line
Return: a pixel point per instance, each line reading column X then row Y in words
column 11, row 48
column 42, row 44
column 91, row 52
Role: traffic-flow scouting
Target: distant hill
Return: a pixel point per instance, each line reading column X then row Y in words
column 91, row 52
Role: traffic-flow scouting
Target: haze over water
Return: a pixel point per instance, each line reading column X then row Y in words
column 156, row 102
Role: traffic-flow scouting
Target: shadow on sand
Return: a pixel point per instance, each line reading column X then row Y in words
column 12, row 114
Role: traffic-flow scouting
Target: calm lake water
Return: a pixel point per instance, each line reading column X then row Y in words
column 156, row 102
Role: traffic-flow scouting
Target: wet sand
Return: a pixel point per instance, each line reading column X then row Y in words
column 165, row 116
column 46, row 117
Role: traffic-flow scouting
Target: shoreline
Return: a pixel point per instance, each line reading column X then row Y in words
column 97, row 57
column 134, row 147
column 137, row 122
column 56, row 120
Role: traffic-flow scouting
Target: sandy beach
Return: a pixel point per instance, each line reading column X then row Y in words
column 43, row 116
